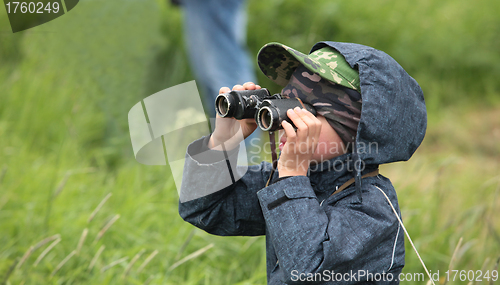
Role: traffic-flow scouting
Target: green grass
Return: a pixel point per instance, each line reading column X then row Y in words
column 450, row 190
column 66, row 88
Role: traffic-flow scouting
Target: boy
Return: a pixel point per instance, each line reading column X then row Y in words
column 323, row 213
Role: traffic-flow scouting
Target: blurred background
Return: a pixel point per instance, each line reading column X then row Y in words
column 66, row 88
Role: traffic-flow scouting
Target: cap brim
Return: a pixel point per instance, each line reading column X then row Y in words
column 278, row 62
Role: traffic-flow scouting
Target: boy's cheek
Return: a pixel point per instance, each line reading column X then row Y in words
column 326, row 150
column 322, row 149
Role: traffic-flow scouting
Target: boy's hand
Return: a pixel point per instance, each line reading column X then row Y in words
column 227, row 128
column 301, row 144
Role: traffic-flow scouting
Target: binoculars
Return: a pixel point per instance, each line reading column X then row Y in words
column 268, row 110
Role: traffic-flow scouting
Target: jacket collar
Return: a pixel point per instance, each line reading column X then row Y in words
column 329, row 171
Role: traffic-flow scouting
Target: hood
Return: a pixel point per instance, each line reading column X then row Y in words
column 393, row 115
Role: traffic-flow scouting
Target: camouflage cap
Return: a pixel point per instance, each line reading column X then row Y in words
column 278, row 62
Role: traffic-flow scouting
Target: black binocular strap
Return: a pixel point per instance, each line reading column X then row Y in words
column 272, row 140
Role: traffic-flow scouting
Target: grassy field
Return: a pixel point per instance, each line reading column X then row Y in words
column 66, row 88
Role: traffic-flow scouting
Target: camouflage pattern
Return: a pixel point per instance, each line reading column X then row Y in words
column 341, row 106
column 278, row 62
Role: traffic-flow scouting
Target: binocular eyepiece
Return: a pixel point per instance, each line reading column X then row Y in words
column 268, row 110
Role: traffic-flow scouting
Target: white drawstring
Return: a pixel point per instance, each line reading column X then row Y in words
column 407, row 235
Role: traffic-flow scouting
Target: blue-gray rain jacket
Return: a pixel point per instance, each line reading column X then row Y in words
column 313, row 237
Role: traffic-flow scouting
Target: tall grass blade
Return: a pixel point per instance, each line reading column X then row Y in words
column 61, row 185
column 114, row 263
column 47, row 250
column 132, row 262
column 82, row 240
column 32, row 248
column 96, row 256
column 45, row 241
column 483, row 267
column 91, row 217
column 453, row 257
column 26, row 255
column 184, row 245
column 61, row 264
column 191, row 256
column 106, row 228
column 147, row 260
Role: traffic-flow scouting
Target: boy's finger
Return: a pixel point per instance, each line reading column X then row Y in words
column 289, row 131
column 313, row 123
column 311, row 126
column 238, row 87
column 249, row 86
column 223, row 90
column 302, row 129
column 310, row 122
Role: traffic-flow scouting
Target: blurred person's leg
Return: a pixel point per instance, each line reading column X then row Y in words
column 215, row 34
